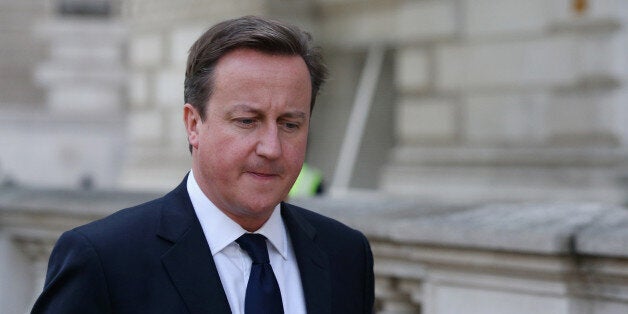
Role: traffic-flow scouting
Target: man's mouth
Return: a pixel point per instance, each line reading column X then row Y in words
column 262, row 174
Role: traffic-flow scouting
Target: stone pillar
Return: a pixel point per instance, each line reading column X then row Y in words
column 16, row 278
column 397, row 295
column 37, row 250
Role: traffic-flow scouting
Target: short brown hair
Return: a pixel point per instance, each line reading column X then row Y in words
column 265, row 35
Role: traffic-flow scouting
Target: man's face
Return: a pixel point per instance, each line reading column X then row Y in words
column 249, row 150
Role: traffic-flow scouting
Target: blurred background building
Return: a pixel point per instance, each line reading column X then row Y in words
column 448, row 102
column 469, row 100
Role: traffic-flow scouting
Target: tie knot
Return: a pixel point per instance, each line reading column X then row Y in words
column 255, row 245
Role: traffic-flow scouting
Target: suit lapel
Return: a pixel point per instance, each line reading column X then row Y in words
column 313, row 262
column 189, row 262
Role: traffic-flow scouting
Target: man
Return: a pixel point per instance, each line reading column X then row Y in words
column 250, row 87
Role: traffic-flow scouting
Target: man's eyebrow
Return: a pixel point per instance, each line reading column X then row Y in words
column 243, row 108
column 246, row 108
column 294, row 115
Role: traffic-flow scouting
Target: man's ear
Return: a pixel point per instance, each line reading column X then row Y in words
column 192, row 121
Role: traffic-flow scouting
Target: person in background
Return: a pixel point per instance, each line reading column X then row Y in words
column 224, row 241
column 308, row 183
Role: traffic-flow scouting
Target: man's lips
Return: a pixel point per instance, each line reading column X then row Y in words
column 265, row 171
column 262, row 174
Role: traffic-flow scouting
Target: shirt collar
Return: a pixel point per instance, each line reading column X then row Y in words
column 220, row 230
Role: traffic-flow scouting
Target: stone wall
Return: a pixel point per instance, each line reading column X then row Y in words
column 558, row 258
column 512, row 100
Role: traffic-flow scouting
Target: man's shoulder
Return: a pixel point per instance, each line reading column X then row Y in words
column 137, row 219
column 123, row 221
column 323, row 225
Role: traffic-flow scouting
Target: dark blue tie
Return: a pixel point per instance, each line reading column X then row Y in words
column 262, row 291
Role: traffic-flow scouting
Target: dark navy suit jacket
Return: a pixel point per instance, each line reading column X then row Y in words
column 153, row 258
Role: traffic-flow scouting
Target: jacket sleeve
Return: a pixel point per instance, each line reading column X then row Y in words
column 369, row 282
column 75, row 281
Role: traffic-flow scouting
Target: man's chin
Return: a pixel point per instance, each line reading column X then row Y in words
column 261, row 206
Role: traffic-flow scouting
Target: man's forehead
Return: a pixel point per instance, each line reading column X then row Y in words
column 256, row 54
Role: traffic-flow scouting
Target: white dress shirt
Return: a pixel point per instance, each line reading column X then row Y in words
column 234, row 264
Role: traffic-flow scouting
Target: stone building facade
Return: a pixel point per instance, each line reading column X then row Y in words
column 474, row 100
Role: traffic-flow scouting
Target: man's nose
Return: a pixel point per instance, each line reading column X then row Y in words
column 269, row 144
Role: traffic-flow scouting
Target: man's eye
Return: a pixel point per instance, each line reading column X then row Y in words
column 245, row 121
column 291, row 126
